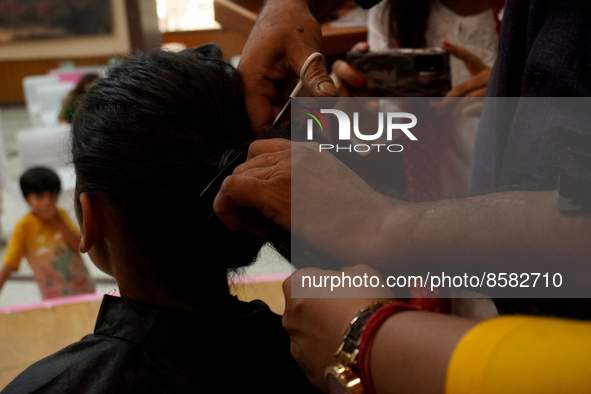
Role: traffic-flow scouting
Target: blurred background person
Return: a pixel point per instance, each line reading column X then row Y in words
column 71, row 101
column 469, row 31
column 48, row 239
column 438, row 164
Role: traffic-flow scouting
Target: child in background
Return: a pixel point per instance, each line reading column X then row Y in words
column 48, row 239
column 71, row 101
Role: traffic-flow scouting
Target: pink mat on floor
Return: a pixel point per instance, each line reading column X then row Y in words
column 97, row 297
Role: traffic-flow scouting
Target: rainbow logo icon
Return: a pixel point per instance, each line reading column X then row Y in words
column 315, row 117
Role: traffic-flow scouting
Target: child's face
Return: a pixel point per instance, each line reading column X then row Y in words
column 43, row 205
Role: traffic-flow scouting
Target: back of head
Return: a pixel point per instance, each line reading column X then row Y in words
column 149, row 138
column 38, row 180
column 85, row 82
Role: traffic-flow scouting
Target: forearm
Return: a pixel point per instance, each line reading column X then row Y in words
column 498, row 231
column 411, row 351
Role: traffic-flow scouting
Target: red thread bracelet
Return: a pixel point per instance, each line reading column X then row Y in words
column 374, row 323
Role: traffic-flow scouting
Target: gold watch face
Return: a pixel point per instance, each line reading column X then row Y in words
column 342, row 380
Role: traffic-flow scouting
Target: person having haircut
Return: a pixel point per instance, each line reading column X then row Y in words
column 149, row 142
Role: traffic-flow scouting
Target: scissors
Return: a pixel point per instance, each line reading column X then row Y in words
column 230, row 159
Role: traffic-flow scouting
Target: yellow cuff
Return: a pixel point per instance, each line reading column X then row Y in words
column 522, row 355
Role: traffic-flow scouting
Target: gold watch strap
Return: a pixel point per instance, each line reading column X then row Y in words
column 347, row 352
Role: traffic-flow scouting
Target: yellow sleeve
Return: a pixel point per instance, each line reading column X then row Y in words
column 67, row 220
column 522, row 355
column 17, row 246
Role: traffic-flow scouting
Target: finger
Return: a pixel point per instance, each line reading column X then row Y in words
column 286, row 286
column 455, row 105
column 259, row 93
column 346, row 73
column 472, row 62
column 265, row 165
column 262, row 172
column 461, row 103
column 447, row 104
column 477, row 93
column 228, row 203
column 240, row 192
column 260, row 147
column 295, row 279
column 373, row 106
column 317, row 80
column 260, row 110
column 465, row 87
column 460, row 90
column 361, row 47
column 257, row 163
column 473, row 110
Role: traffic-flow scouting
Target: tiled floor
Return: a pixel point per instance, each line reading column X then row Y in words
column 21, row 288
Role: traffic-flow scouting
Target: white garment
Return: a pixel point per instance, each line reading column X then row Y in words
column 476, row 33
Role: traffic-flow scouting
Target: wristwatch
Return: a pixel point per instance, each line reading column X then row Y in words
column 343, row 377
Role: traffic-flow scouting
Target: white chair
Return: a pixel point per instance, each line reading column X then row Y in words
column 6, row 182
column 48, row 146
column 29, row 85
column 46, row 102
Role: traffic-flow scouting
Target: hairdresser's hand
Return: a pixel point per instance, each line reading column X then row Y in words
column 316, row 325
column 262, row 183
column 472, row 90
column 345, row 76
column 283, row 37
column 333, row 209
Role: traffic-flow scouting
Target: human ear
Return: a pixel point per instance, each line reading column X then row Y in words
column 91, row 227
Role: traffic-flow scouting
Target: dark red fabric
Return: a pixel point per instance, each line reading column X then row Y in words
column 374, row 323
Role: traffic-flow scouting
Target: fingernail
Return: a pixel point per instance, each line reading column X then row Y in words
column 364, row 46
column 328, row 89
column 446, row 44
column 358, row 82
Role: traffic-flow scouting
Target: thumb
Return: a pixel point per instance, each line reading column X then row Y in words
column 286, row 287
column 472, row 62
column 318, row 82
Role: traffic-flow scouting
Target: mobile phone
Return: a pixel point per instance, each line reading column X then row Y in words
column 402, row 72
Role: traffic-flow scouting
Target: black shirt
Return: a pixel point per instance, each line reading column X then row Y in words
column 143, row 348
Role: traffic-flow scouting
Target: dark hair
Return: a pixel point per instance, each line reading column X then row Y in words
column 82, row 84
column 38, row 180
column 149, row 137
column 408, row 22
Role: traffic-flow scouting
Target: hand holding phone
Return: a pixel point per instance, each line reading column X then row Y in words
column 402, row 72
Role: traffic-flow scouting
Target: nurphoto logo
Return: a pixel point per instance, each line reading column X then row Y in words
column 387, row 121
